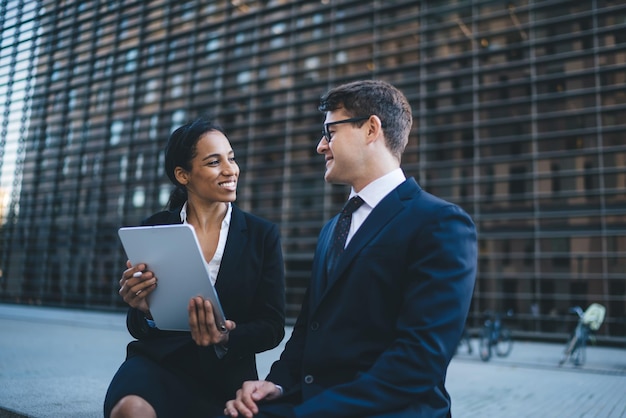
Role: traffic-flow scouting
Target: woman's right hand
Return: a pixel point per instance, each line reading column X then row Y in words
column 202, row 323
column 136, row 284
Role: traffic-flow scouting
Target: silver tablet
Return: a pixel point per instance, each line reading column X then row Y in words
column 173, row 253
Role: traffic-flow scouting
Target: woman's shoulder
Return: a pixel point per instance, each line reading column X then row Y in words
column 164, row 217
column 253, row 220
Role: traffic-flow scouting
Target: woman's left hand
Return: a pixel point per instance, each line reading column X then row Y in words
column 202, row 323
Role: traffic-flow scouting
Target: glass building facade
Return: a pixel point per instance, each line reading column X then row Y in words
column 519, row 109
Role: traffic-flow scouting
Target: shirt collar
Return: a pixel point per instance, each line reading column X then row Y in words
column 225, row 222
column 376, row 191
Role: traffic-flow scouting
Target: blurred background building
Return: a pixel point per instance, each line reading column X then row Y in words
column 520, row 117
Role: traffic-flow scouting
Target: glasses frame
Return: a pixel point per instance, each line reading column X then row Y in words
column 326, row 133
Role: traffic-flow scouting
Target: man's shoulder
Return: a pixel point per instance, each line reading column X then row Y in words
column 421, row 200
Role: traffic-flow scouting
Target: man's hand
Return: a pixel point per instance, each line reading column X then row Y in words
column 250, row 393
column 202, row 323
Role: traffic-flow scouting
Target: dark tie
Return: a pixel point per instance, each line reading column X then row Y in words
column 341, row 231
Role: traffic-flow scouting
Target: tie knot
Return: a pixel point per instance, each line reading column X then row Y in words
column 353, row 204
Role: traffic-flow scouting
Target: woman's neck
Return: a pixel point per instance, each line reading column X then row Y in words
column 206, row 217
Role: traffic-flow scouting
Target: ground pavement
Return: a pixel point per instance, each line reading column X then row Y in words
column 57, row 363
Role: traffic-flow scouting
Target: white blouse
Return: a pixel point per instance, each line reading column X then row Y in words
column 214, row 265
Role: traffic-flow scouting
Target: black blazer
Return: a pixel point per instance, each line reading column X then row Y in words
column 251, row 288
column 377, row 340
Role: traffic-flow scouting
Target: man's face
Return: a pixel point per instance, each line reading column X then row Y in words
column 341, row 146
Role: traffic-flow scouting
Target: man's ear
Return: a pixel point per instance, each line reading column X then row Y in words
column 182, row 176
column 374, row 128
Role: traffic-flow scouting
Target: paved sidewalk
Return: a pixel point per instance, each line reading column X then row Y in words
column 57, row 363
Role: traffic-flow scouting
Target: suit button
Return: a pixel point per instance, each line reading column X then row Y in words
column 308, row 379
column 315, row 326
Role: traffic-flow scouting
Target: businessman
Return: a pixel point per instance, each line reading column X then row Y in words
column 385, row 309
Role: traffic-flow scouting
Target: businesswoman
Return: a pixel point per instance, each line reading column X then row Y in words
column 188, row 374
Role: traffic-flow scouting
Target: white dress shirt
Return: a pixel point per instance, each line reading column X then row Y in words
column 372, row 194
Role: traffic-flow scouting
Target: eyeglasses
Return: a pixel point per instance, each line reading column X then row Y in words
column 326, row 133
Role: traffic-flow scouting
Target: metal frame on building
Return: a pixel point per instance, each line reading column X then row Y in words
column 519, row 108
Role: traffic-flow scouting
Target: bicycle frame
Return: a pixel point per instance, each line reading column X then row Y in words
column 575, row 348
column 495, row 334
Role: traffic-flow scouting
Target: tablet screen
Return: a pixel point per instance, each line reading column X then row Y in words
column 173, row 254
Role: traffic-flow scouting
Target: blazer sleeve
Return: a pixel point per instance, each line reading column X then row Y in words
column 138, row 326
column 259, row 312
column 286, row 371
column 436, row 292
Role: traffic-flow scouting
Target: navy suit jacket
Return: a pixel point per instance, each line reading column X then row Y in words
column 251, row 288
column 378, row 339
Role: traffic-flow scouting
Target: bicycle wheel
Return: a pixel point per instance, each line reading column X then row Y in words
column 484, row 347
column 580, row 353
column 504, row 344
column 569, row 349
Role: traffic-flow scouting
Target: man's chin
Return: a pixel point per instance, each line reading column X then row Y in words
column 329, row 178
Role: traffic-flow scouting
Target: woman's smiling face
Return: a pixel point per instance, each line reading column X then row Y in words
column 214, row 171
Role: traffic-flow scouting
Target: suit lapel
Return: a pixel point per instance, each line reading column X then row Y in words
column 382, row 214
column 235, row 244
column 319, row 267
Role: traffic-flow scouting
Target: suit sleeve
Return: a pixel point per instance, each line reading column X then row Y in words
column 136, row 323
column 437, row 290
column 286, row 371
column 266, row 327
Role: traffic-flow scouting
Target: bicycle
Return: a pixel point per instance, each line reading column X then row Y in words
column 495, row 337
column 589, row 321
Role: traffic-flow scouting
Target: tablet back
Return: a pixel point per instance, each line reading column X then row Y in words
column 173, row 253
